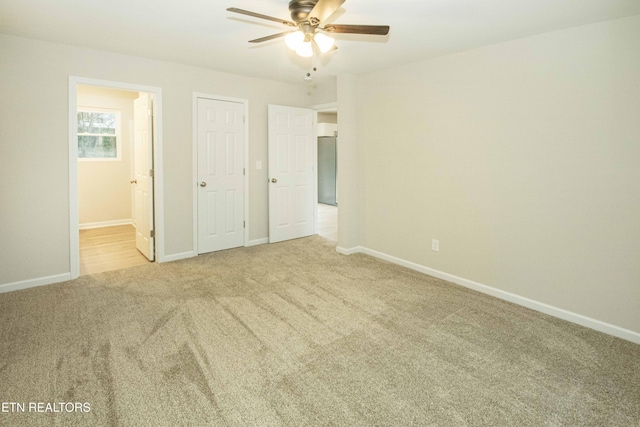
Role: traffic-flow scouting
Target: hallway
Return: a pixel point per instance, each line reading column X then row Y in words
column 328, row 221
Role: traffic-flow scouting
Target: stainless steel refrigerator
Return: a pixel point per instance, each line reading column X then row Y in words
column 327, row 170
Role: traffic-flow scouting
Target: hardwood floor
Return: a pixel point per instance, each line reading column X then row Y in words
column 109, row 248
column 328, row 221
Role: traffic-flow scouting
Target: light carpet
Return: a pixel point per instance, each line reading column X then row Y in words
column 295, row 334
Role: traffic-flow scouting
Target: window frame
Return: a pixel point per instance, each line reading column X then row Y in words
column 117, row 135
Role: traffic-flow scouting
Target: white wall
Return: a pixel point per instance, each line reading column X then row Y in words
column 522, row 158
column 104, row 191
column 350, row 180
column 34, row 169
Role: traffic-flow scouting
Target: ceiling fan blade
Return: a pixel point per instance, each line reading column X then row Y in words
column 324, row 9
column 259, row 15
column 271, row 37
column 379, row 30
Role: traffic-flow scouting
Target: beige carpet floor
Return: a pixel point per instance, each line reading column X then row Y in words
column 294, row 334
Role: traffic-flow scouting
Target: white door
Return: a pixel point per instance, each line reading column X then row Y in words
column 143, row 173
column 291, row 173
column 220, row 127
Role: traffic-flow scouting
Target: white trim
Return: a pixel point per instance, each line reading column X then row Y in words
column 74, row 213
column 258, row 241
column 158, row 188
column 330, row 107
column 181, row 255
column 101, row 224
column 314, row 117
column 560, row 313
column 32, row 283
column 247, row 169
column 349, row 251
column 194, row 153
column 194, row 172
column 158, row 168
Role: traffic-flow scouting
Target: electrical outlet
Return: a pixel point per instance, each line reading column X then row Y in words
column 435, row 245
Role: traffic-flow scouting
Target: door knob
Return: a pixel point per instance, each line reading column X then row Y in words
column 203, row 184
column 133, row 181
column 274, row 180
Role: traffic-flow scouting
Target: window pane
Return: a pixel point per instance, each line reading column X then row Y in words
column 83, row 122
column 93, row 122
column 105, row 123
column 97, row 147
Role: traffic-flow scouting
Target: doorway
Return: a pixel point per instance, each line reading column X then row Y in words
column 115, row 175
column 327, row 131
column 114, row 154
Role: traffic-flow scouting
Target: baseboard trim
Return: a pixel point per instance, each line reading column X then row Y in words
column 257, row 242
column 179, row 256
column 560, row 313
column 102, row 224
column 32, row 283
column 350, row 251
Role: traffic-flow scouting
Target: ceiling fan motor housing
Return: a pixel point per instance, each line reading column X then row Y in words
column 300, row 9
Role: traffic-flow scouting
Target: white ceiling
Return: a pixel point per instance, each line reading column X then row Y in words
column 203, row 33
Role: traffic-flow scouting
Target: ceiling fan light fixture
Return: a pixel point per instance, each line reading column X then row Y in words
column 324, row 42
column 295, row 40
column 307, row 18
column 305, row 50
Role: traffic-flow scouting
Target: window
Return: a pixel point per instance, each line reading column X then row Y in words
column 98, row 134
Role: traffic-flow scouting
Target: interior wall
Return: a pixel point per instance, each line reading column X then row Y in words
column 104, row 190
column 34, row 189
column 328, row 118
column 350, row 182
column 522, row 159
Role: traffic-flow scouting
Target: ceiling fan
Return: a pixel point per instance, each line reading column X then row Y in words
column 308, row 17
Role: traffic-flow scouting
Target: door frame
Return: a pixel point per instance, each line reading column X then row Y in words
column 158, row 185
column 245, row 160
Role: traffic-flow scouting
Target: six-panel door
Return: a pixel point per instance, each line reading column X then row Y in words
column 220, row 183
column 291, row 172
